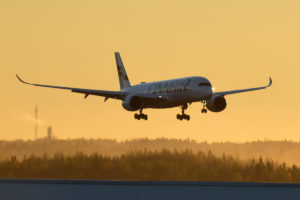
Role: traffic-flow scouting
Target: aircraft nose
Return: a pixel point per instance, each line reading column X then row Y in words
column 210, row 92
column 207, row 92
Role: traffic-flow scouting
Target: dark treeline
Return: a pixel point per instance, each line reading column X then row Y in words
column 281, row 151
column 149, row 165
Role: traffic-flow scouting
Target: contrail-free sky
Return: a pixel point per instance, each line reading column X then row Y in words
column 235, row 44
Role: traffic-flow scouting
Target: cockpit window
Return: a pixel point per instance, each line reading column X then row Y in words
column 204, row 84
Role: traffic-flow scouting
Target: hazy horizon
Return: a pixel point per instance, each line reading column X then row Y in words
column 55, row 137
column 278, row 151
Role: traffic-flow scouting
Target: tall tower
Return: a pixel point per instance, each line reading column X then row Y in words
column 36, row 122
column 49, row 136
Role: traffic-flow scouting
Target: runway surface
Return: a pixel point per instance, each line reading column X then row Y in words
column 143, row 190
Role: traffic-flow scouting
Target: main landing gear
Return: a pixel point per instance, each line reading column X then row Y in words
column 141, row 115
column 204, row 110
column 183, row 115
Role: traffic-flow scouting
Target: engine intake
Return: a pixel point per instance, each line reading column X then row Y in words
column 132, row 103
column 216, row 103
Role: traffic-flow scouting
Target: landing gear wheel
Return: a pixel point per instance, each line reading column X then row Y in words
column 145, row 117
column 187, row 117
column 136, row 116
column 140, row 116
column 204, row 110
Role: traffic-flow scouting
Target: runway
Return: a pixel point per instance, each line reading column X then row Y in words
column 143, row 190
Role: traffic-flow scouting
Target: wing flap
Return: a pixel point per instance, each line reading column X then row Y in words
column 103, row 93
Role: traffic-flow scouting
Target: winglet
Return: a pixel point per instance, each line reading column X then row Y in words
column 21, row 79
column 270, row 82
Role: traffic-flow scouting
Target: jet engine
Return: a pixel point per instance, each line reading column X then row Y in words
column 216, row 103
column 132, row 103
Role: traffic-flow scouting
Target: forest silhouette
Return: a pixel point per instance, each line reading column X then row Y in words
column 149, row 165
column 145, row 159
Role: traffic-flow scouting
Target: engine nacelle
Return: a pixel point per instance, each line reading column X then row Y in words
column 216, row 103
column 132, row 103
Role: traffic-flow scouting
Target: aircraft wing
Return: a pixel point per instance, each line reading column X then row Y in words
column 104, row 93
column 244, row 90
column 87, row 92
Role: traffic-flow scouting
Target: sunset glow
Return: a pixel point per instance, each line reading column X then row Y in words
column 235, row 44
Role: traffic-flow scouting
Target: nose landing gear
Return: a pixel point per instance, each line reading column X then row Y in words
column 183, row 115
column 141, row 115
column 204, row 110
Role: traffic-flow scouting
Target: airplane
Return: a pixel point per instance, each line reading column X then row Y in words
column 180, row 92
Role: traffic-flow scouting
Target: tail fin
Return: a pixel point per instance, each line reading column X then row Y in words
column 124, row 82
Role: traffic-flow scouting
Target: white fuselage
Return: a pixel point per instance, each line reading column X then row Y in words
column 176, row 91
column 160, row 94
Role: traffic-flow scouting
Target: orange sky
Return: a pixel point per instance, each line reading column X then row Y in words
column 236, row 44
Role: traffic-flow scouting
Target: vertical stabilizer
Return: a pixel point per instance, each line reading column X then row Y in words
column 124, row 82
